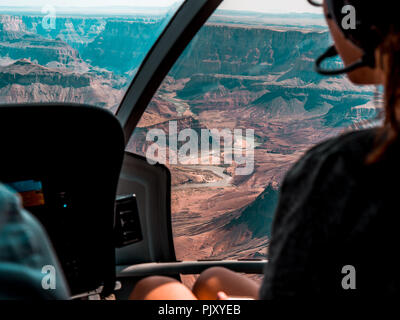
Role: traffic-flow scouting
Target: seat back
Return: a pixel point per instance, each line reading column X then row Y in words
column 72, row 155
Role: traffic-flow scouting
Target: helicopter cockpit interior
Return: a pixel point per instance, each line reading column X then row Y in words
column 74, row 116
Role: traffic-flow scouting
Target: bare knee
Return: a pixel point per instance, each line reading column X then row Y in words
column 211, row 274
column 217, row 279
column 144, row 287
column 160, row 288
column 209, row 283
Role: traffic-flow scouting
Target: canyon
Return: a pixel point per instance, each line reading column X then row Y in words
column 267, row 83
column 239, row 72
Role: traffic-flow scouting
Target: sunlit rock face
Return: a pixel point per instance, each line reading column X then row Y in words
column 234, row 74
column 259, row 78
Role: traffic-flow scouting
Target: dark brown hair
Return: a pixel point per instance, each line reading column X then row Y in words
column 390, row 130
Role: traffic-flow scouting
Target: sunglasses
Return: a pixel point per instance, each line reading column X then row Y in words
column 319, row 4
column 316, row 3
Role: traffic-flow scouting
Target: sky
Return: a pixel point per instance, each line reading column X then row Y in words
column 272, row 6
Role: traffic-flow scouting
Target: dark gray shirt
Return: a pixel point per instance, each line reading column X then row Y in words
column 336, row 211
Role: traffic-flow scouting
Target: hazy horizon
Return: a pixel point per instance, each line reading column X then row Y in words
column 272, row 6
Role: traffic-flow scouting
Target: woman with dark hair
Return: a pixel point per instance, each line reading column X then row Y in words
column 335, row 228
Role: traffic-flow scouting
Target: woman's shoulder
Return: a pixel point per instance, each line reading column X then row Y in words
column 324, row 177
column 347, row 151
column 350, row 143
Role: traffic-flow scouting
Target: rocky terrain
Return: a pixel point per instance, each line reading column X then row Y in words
column 82, row 60
column 266, row 83
column 24, row 81
column 240, row 72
